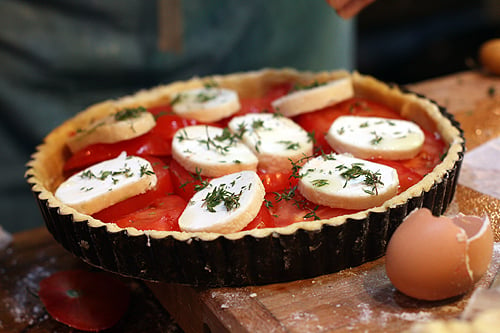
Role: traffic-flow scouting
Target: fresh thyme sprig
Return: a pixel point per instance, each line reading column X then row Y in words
column 126, row 171
column 198, row 179
column 221, row 195
column 371, row 179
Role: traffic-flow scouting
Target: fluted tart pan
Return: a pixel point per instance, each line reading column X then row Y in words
column 260, row 256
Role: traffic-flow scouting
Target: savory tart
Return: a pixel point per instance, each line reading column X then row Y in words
column 248, row 178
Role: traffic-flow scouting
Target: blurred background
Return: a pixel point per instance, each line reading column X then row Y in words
column 423, row 39
column 400, row 41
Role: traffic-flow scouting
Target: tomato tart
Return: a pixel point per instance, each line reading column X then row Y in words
column 247, row 178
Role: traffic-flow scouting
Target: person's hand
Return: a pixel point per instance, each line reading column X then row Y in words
column 348, row 8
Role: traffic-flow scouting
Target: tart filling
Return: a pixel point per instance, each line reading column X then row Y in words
column 354, row 234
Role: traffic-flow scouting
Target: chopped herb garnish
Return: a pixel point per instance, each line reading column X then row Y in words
column 256, row 124
column 203, row 97
column 312, row 213
column 311, row 137
column 221, row 149
column 129, row 113
column 268, row 203
column 146, row 171
column 371, row 179
column 221, row 195
column 319, row 182
column 376, row 140
column 177, row 99
column 290, row 145
column 183, row 135
column 286, row 194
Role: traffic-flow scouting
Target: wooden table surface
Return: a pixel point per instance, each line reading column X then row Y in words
column 355, row 299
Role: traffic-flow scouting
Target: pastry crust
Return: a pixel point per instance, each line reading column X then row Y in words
column 44, row 172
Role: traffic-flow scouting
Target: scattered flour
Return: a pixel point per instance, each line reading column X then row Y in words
column 22, row 301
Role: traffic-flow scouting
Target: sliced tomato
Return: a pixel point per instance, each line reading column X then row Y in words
column 287, row 211
column 89, row 301
column 276, row 181
column 429, row 156
column 295, row 208
column 406, row 176
column 185, row 183
column 324, row 212
column 162, row 214
column 262, row 220
column 168, row 124
column 145, row 145
column 164, row 187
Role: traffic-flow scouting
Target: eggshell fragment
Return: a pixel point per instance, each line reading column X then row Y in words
column 434, row 258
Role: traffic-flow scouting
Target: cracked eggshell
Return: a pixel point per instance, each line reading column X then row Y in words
column 434, row 258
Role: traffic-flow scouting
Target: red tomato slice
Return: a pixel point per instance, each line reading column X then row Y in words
column 276, row 181
column 262, row 220
column 168, row 124
column 285, row 212
column 429, row 156
column 144, row 145
column 185, row 182
column 162, row 215
column 163, row 188
column 297, row 209
column 406, row 176
column 89, row 301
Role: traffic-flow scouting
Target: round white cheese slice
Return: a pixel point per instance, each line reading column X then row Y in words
column 206, row 104
column 342, row 181
column 274, row 139
column 122, row 125
column 313, row 98
column 211, row 151
column 226, row 205
column 373, row 137
column 107, row 183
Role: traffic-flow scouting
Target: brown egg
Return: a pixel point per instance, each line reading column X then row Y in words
column 434, row 258
column 489, row 56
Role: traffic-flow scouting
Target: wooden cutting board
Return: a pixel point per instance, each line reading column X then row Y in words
column 360, row 298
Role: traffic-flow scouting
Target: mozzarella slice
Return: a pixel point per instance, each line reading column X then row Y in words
column 226, row 205
column 373, row 137
column 211, row 151
column 273, row 138
column 206, row 104
column 314, row 98
column 107, row 183
column 341, row 181
column 122, row 125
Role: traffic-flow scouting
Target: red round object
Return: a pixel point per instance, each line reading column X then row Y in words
column 89, row 301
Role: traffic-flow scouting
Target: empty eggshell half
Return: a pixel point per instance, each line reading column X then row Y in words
column 434, row 258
